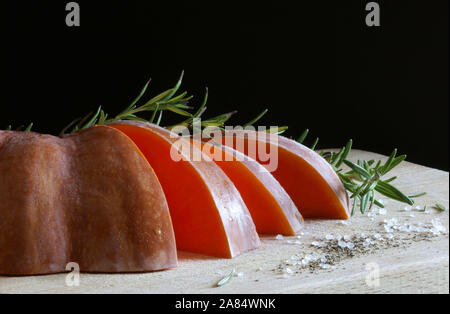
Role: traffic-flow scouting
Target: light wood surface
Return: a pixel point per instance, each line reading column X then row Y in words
column 417, row 266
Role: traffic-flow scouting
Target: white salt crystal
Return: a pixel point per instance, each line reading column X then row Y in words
column 350, row 245
column 279, row 237
column 438, row 226
column 289, row 271
column 325, row 266
column 419, row 207
column 382, row 211
column 377, row 236
column 323, row 259
column 329, row 237
column 240, row 274
column 407, row 208
column 347, row 237
column 342, row 244
column 316, row 243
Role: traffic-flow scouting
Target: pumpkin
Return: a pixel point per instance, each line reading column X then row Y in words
column 309, row 179
column 208, row 213
column 90, row 197
column 272, row 210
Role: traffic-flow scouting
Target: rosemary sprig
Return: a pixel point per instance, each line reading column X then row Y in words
column 165, row 101
column 362, row 180
column 365, row 177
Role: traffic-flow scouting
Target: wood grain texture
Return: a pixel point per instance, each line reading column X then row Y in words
column 420, row 267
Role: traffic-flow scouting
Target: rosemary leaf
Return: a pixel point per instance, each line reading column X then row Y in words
column 302, row 137
column 358, row 169
column 29, row 127
column 140, row 95
column 256, row 119
column 416, row 195
column 392, row 192
column 227, row 279
column 316, row 141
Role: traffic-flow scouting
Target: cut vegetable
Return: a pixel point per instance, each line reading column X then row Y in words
column 208, row 213
column 271, row 208
column 308, row 178
column 90, row 198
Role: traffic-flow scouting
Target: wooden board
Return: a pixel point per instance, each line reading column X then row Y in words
column 415, row 266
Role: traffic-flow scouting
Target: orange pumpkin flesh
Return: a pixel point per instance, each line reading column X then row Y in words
column 308, row 178
column 89, row 198
column 208, row 214
column 272, row 209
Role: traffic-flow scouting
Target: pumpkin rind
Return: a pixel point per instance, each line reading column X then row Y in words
column 89, row 198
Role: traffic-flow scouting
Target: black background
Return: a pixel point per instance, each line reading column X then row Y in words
column 314, row 65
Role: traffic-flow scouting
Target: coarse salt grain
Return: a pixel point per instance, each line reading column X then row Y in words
column 342, row 244
column 382, row 211
column 279, row 237
column 329, row 237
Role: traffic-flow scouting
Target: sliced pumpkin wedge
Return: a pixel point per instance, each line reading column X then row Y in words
column 272, row 209
column 208, row 214
column 309, row 179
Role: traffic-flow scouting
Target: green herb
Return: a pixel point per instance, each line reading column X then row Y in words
column 365, row 177
column 227, row 279
column 440, row 207
column 362, row 180
column 27, row 129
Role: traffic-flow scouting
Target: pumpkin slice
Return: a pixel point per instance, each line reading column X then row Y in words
column 90, row 198
column 309, row 179
column 272, row 209
column 208, row 213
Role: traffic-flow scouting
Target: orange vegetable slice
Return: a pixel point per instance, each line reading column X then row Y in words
column 309, row 179
column 208, row 214
column 272, row 209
